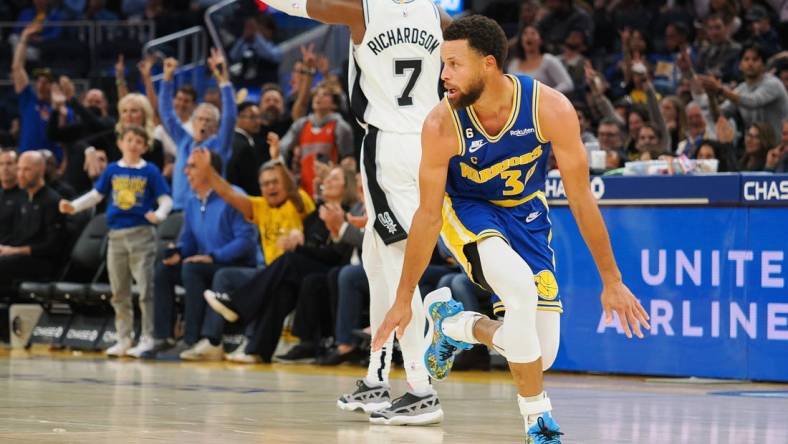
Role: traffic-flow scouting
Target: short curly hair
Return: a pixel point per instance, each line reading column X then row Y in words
column 483, row 34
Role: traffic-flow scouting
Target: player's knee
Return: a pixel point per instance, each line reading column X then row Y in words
column 549, row 353
column 548, row 328
column 519, row 337
column 507, row 274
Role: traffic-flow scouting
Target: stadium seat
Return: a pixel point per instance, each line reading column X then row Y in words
column 90, row 235
column 87, row 255
column 168, row 231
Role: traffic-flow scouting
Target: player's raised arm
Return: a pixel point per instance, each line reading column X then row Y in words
column 333, row 12
column 559, row 124
column 439, row 143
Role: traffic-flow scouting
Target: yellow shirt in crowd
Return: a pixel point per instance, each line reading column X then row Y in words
column 278, row 221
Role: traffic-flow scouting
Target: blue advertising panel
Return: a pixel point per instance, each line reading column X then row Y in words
column 714, row 288
column 715, row 189
column 766, row 273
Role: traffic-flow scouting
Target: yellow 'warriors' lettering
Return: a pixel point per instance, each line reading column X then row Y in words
column 489, row 173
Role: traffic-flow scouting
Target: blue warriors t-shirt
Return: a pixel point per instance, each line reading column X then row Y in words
column 34, row 115
column 132, row 192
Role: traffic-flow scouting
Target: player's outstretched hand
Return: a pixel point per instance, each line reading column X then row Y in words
column 618, row 298
column 397, row 317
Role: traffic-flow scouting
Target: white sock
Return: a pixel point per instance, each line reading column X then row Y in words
column 533, row 407
column 379, row 366
column 460, row 326
column 422, row 389
column 374, row 383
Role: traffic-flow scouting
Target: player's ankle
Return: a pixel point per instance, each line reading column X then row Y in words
column 532, row 407
column 460, row 326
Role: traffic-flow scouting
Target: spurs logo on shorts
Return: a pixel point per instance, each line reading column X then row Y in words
column 387, row 221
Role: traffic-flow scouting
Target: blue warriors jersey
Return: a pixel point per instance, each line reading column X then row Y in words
column 507, row 168
column 495, row 187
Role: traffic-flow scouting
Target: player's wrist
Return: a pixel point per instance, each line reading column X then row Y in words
column 611, row 279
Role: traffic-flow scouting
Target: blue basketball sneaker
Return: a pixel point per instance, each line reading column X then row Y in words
column 439, row 355
column 545, row 431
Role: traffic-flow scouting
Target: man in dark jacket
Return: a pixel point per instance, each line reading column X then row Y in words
column 248, row 154
column 8, row 194
column 34, row 246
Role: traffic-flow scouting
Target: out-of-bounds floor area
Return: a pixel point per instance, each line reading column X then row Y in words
column 59, row 397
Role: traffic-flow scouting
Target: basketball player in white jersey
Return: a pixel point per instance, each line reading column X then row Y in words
column 394, row 78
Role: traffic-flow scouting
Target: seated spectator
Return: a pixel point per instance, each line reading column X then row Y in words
column 723, row 152
column 675, row 119
column 97, row 10
column 42, row 12
column 563, row 16
column 273, row 293
column 352, row 292
column 760, row 98
column 132, row 187
column 652, row 152
column 133, row 8
column 758, row 140
column 213, row 96
column 255, row 53
column 628, row 70
column 574, row 61
column 317, row 316
column 721, row 54
column 762, row 32
column 667, row 74
column 213, row 236
column 323, row 134
column 636, row 118
column 34, row 104
column 614, row 159
column 528, row 58
column 35, row 244
column 780, row 67
column 52, row 177
column 729, row 11
column 247, row 155
column 586, row 135
column 9, row 193
column 279, row 216
column 776, row 159
column 649, row 136
column 9, row 135
column 610, row 135
column 697, row 131
column 274, row 117
column 206, row 122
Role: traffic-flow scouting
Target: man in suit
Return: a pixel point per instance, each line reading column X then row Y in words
column 248, row 154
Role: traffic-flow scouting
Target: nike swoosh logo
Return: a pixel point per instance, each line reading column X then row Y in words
column 532, row 216
column 473, row 149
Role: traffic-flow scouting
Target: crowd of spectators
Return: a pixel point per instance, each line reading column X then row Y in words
column 272, row 207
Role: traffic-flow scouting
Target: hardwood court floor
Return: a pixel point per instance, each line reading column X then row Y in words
column 62, row 398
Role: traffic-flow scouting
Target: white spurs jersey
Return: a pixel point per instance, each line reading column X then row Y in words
column 395, row 71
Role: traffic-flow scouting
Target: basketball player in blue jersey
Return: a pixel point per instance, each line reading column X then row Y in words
column 481, row 181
